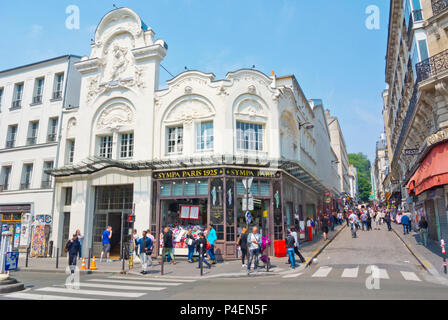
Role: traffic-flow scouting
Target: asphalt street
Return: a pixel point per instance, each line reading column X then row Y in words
column 376, row 265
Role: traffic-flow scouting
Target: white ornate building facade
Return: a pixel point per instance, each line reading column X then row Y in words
column 187, row 155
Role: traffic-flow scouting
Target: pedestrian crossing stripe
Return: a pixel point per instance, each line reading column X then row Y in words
column 92, row 292
column 323, row 272
column 382, row 273
column 142, row 283
column 350, row 273
column 120, row 287
column 143, row 279
column 33, row 296
column 295, row 275
column 410, row 276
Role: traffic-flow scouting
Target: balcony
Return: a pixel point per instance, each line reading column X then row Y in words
column 25, row 186
column 37, row 100
column 46, row 184
column 438, row 6
column 57, row 95
column 10, row 144
column 432, row 66
column 17, row 104
column 31, row 141
column 51, row 137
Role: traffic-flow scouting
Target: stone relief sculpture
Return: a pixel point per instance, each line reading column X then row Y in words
column 115, row 117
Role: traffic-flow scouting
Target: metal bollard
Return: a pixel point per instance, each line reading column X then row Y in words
column 163, row 262
column 90, row 254
column 57, row 258
column 27, row 256
column 122, row 264
column 201, row 257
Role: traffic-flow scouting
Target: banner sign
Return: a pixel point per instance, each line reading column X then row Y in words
column 178, row 174
column 12, row 261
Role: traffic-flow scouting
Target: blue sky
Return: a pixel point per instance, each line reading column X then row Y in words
column 325, row 43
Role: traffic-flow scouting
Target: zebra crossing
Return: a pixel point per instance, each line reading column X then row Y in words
column 356, row 272
column 113, row 287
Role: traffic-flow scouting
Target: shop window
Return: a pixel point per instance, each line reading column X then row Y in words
column 99, row 224
column 265, row 189
column 165, row 189
column 254, row 188
column 177, row 188
column 220, row 232
column 278, row 233
column 202, row 188
column 189, row 189
column 240, row 189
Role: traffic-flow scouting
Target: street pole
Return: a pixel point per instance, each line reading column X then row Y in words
column 122, row 261
column 90, row 254
column 163, row 261
column 247, row 200
column 201, row 260
column 27, row 256
column 57, row 258
column 444, row 256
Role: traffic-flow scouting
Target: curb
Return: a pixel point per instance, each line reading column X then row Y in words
column 319, row 251
column 12, row 287
column 425, row 264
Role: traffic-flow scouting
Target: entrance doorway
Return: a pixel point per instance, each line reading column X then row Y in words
column 260, row 216
column 115, row 221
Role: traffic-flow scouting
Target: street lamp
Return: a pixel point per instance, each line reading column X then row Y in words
column 306, row 125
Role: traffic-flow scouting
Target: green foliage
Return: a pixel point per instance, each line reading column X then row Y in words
column 362, row 164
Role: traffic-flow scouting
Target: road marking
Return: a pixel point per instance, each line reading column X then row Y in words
column 93, row 292
column 350, row 273
column 410, row 276
column 31, row 296
column 382, row 273
column 296, row 275
column 120, row 287
column 136, row 282
column 323, row 272
column 153, row 279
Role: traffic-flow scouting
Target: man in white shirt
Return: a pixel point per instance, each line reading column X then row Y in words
column 296, row 248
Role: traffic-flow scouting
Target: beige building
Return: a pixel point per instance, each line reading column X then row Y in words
column 416, row 110
column 339, row 147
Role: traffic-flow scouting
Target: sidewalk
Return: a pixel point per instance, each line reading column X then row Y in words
column 430, row 258
column 183, row 269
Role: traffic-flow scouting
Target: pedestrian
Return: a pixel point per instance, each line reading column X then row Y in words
column 405, row 222
column 107, row 235
column 332, row 221
column 377, row 221
column 347, row 221
column 80, row 239
column 211, row 240
column 168, row 244
column 201, row 247
column 325, row 221
column 353, row 225
column 191, row 243
column 364, row 221
column 145, row 245
column 388, row 220
column 290, row 245
column 340, row 217
column 254, row 242
column 296, row 247
column 242, row 242
column 135, row 237
column 72, row 247
column 369, row 222
column 423, row 228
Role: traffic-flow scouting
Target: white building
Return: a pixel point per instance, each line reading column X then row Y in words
column 31, row 101
column 353, row 177
column 180, row 156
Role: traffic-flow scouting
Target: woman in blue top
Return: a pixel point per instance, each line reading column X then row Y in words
column 212, row 239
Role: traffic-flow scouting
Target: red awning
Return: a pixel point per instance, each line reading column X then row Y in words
column 432, row 172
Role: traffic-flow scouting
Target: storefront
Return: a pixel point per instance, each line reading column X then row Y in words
column 11, row 220
column 194, row 199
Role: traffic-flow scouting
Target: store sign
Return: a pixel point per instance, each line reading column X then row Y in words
column 252, row 173
column 199, row 173
column 411, row 152
column 15, row 209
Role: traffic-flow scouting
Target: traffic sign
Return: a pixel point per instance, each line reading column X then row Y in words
column 411, row 152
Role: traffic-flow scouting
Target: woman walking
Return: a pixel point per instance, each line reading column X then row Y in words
column 242, row 242
column 423, row 226
column 191, row 242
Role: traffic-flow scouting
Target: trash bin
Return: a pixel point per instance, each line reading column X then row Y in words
column 280, row 248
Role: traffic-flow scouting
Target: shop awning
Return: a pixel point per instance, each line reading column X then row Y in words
column 432, row 172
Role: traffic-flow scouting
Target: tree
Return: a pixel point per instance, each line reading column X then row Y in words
column 362, row 164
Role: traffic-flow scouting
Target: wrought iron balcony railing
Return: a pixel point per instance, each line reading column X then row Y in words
column 51, row 137
column 438, row 6
column 432, row 66
column 37, row 100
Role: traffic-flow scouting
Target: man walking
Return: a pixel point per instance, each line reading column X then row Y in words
column 325, row 221
column 73, row 248
column 423, row 226
column 388, row 221
column 145, row 250
column 107, row 235
column 296, row 247
column 211, row 240
column 364, row 221
column 290, row 247
column 254, row 242
column 201, row 247
column 405, row 222
column 168, row 244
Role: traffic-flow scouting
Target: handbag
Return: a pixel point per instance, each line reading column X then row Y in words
column 189, row 242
